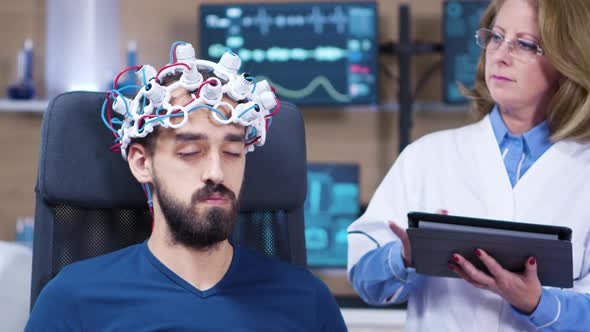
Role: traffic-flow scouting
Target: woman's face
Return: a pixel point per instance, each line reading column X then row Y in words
column 516, row 75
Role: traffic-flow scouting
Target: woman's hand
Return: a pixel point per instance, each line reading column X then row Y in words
column 522, row 290
column 406, row 248
column 403, row 236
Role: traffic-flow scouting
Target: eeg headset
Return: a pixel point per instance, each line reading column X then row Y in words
column 151, row 107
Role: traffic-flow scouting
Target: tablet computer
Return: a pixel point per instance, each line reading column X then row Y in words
column 435, row 237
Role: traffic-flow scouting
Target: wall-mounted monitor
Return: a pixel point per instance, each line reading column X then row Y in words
column 332, row 204
column 461, row 53
column 312, row 53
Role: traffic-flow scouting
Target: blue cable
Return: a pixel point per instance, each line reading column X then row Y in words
column 104, row 119
column 149, row 194
column 130, row 86
column 209, row 108
column 162, row 117
column 178, row 42
column 246, row 111
column 158, row 114
column 122, row 95
column 124, row 100
column 143, row 75
column 159, row 118
column 227, row 49
column 142, row 105
column 253, row 135
column 252, row 79
column 144, row 84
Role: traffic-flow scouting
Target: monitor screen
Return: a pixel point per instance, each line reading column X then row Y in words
column 332, row 204
column 312, row 53
column 461, row 53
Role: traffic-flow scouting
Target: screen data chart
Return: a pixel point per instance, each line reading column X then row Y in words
column 332, row 204
column 461, row 53
column 312, row 53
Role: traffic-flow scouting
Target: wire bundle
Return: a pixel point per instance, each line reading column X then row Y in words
column 137, row 117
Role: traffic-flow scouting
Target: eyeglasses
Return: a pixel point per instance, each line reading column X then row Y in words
column 520, row 48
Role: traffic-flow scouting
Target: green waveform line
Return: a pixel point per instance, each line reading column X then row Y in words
column 280, row 54
column 309, row 89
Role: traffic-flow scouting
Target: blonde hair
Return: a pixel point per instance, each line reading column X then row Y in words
column 566, row 42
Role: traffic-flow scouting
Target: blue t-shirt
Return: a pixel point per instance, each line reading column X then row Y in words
column 131, row 290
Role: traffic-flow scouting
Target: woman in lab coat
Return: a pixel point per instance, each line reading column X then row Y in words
column 527, row 159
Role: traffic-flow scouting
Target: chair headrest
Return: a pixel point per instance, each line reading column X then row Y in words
column 76, row 166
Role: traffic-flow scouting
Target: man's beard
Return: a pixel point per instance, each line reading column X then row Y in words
column 198, row 228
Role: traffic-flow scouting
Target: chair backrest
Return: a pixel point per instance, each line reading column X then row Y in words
column 89, row 204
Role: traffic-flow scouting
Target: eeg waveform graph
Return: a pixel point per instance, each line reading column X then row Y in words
column 312, row 53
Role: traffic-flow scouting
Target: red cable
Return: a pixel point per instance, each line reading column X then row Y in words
column 171, row 65
column 141, row 118
column 278, row 103
column 210, row 81
column 276, row 110
column 123, row 72
column 253, row 141
column 192, row 99
column 118, row 145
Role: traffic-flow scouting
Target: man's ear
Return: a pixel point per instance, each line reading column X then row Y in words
column 140, row 163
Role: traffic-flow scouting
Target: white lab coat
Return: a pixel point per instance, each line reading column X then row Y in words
column 461, row 170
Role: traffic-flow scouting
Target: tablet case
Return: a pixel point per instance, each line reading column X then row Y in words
column 435, row 237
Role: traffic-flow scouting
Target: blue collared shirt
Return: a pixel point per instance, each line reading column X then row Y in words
column 519, row 152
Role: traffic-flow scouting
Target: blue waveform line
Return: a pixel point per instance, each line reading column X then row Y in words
column 280, row 54
column 318, row 81
column 265, row 21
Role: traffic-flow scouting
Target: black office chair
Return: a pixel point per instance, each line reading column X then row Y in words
column 89, row 204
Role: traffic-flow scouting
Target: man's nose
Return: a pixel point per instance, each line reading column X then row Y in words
column 213, row 170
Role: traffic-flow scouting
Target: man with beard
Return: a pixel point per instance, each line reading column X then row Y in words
column 187, row 276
